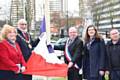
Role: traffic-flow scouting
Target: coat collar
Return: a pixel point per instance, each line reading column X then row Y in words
column 74, row 41
column 95, row 40
column 110, row 42
column 19, row 31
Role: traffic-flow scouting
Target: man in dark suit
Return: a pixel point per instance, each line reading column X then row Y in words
column 73, row 54
column 25, row 42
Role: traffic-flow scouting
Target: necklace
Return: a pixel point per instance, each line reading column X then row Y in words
column 27, row 41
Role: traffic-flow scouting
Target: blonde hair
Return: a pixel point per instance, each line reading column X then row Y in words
column 6, row 30
column 0, row 37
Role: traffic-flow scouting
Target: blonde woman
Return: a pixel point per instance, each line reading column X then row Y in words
column 11, row 60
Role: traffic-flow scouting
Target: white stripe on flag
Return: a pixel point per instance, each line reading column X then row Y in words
column 42, row 50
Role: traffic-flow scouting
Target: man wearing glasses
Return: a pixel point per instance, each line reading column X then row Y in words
column 25, row 42
column 113, row 55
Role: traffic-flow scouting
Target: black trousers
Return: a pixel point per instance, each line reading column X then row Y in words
column 73, row 74
column 27, row 77
column 96, row 78
column 10, row 75
column 115, row 75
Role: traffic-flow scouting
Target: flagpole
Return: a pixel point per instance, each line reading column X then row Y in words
column 47, row 18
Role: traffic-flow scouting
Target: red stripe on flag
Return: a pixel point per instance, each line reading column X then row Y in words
column 36, row 65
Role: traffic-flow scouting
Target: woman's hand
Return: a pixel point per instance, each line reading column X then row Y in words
column 107, row 72
column 23, row 69
column 107, row 75
column 19, row 68
column 101, row 73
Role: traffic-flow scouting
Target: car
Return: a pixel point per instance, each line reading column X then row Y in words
column 61, row 41
column 53, row 42
column 59, row 53
column 106, row 40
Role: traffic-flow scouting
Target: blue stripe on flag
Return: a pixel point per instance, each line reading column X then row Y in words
column 43, row 29
column 43, row 26
column 50, row 48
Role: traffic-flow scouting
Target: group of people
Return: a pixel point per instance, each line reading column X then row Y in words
column 91, row 55
column 95, row 57
column 16, row 45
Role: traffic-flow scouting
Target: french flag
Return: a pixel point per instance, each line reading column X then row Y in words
column 43, row 61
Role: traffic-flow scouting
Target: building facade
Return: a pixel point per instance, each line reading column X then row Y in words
column 106, row 14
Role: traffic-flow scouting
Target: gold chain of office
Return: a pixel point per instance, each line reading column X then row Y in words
column 27, row 41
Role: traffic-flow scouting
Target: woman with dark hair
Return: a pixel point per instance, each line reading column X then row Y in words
column 94, row 54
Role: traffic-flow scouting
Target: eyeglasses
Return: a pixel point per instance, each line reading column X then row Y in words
column 23, row 24
column 91, row 29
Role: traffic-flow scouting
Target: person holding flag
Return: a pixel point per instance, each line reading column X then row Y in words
column 73, row 54
column 12, row 63
column 43, row 61
column 25, row 41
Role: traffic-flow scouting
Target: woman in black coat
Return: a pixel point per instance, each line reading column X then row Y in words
column 94, row 51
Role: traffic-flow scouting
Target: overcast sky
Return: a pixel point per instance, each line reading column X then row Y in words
column 4, row 9
column 73, row 5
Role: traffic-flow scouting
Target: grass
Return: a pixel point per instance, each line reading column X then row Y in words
column 47, row 78
column 58, row 79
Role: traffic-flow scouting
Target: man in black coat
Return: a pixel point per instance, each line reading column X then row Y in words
column 25, row 42
column 73, row 54
column 113, row 55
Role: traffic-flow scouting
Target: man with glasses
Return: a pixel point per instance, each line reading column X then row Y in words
column 113, row 55
column 25, row 42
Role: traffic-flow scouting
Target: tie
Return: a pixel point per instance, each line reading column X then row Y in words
column 26, row 36
column 69, row 42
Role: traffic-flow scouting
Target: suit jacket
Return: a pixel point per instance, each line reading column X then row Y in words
column 75, row 49
column 10, row 56
column 26, row 50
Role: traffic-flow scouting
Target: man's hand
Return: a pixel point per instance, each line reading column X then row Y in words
column 81, row 71
column 70, row 64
